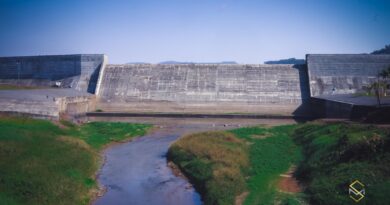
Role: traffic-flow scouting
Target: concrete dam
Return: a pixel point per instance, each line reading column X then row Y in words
column 199, row 88
column 279, row 90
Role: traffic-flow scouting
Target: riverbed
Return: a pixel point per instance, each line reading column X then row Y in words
column 136, row 172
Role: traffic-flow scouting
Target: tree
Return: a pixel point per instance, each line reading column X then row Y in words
column 385, row 50
column 381, row 85
column 385, row 75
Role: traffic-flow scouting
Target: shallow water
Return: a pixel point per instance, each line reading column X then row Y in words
column 136, row 172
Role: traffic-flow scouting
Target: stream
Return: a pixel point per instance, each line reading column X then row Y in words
column 136, row 172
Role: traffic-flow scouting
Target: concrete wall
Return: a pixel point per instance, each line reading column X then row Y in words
column 325, row 108
column 203, row 88
column 279, row 84
column 343, row 73
column 77, row 105
column 76, row 71
column 48, row 110
column 47, row 103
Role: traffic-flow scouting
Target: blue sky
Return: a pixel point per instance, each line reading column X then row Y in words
column 193, row 30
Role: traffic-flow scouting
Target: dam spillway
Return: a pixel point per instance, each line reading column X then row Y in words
column 191, row 87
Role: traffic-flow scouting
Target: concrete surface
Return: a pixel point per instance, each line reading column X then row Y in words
column 343, row 73
column 76, row 71
column 196, row 88
column 46, row 103
column 356, row 100
column 277, row 89
column 347, row 106
column 204, row 108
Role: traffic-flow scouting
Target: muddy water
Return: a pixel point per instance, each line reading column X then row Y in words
column 136, row 172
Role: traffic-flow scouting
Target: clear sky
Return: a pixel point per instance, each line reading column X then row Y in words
column 193, row 30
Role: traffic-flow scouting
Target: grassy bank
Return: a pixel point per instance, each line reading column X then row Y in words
column 272, row 152
column 213, row 161
column 329, row 157
column 337, row 154
column 41, row 163
column 223, row 165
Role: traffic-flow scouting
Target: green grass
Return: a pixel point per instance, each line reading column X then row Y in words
column 272, row 152
column 329, row 157
column 41, row 163
column 213, row 162
column 16, row 87
column 253, row 159
column 338, row 154
column 372, row 94
column 98, row 134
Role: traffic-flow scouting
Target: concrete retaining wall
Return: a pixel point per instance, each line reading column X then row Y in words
column 343, row 73
column 47, row 103
column 77, row 71
column 325, row 108
column 42, row 110
column 77, row 105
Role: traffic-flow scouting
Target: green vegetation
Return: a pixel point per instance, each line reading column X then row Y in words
column 337, row 154
column 41, row 163
column 16, row 87
column 271, row 153
column 213, row 161
column 379, row 88
column 329, row 157
column 98, row 134
column 223, row 165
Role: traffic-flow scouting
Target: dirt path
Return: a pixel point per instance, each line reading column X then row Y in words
column 287, row 182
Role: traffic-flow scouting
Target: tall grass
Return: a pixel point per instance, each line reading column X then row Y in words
column 41, row 163
column 222, row 165
column 329, row 158
column 213, row 162
column 337, row 154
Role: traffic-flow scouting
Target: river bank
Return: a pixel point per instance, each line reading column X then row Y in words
column 42, row 161
column 46, row 163
column 137, row 172
column 260, row 165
